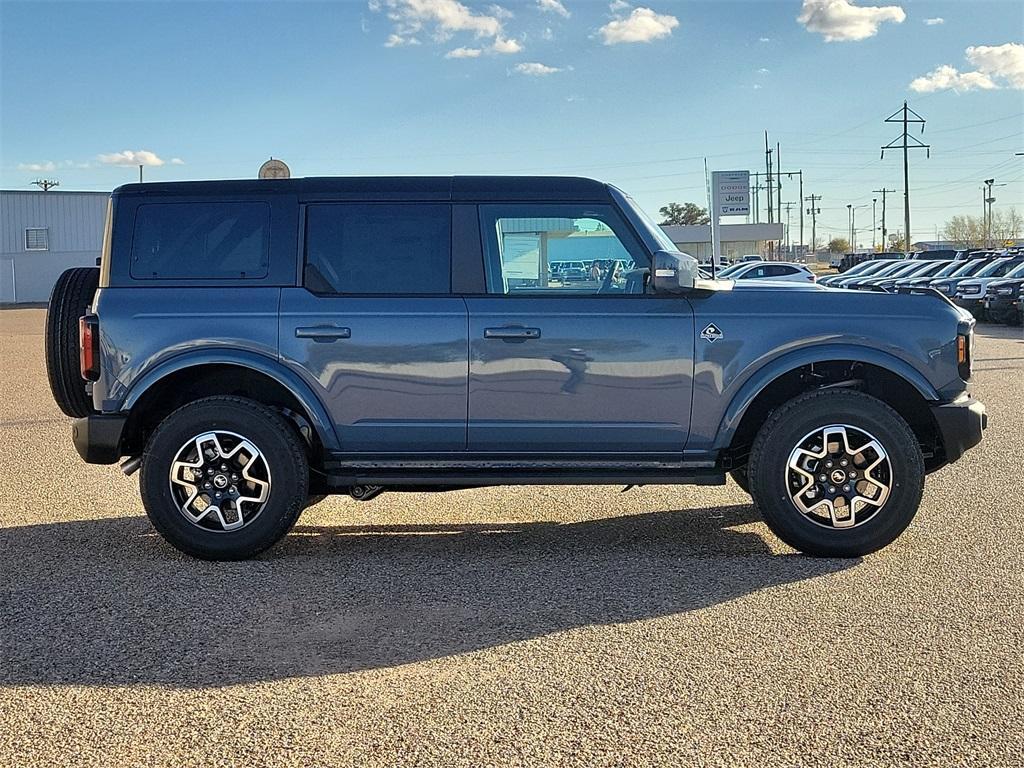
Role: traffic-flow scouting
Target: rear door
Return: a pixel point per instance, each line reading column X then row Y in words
column 374, row 327
column 575, row 366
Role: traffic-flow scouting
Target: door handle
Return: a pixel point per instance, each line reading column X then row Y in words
column 512, row 333
column 323, row 333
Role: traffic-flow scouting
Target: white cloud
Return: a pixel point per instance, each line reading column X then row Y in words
column 757, row 86
column 446, row 17
column 536, row 69
column 995, row 66
column 948, row 77
column 936, row 20
column 763, row 71
column 501, row 13
column 547, row 34
column 641, row 26
column 463, row 53
column 501, row 45
column 395, row 41
column 764, row 39
column 177, row 161
column 554, row 6
column 618, row 5
column 131, row 157
column 1003, row 61
column 46, row 167
column 842, row 20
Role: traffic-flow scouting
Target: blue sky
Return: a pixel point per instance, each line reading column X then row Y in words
column 632, row 93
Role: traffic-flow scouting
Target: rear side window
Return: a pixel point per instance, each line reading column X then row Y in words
column 201, row 241
column 378, row 248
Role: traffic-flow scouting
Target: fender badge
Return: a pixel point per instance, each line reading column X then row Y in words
column 711, row 333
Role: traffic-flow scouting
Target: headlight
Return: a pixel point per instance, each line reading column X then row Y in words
column 1007, row 291
column 944, row 287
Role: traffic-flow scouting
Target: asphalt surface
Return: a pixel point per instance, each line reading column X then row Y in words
column 519, row 626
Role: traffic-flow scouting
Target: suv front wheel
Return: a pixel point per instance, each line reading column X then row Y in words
column 224, row 478
column 836, row 473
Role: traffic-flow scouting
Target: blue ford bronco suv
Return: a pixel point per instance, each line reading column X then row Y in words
column 252, row 346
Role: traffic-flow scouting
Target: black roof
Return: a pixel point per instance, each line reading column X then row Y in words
column 467, row 188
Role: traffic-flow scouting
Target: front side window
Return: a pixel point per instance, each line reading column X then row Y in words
column 563, row 249
column 212, row 240
column 378, row 248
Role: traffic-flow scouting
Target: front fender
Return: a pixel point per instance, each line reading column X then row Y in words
column 267, row 366
column 779, row 366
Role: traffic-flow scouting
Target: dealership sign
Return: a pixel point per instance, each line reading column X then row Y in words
column 731, row 193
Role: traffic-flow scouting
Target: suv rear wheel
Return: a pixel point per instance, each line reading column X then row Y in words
column 836, row 473
column 224, row 478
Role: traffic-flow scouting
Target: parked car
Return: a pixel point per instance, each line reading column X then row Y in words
column 751, row 257
column 248, row 370
column 924, row 270
column 943, row 254
column 894, row 268
column 971, row 268
column 861, row 270
column 775, row 271
column 1002, row 297
column 948, row 269
column 970, row 293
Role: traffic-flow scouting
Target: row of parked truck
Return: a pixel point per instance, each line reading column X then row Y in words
column 988, row 283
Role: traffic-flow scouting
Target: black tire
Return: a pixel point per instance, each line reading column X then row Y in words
column 741, row 478
column 783, row 431
column 272, row 434
column 71, row 295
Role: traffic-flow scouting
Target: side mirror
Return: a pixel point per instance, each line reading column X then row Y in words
column 673, row 272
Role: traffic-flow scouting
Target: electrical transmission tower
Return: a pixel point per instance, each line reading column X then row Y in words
column 906, row 116
column 813, row 211
column 46, row 184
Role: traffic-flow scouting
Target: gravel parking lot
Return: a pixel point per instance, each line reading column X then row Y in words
column 518, row 626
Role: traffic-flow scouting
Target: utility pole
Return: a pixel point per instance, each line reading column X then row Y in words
column 140, row 174
column 989, row 199
column 849, row 225
column 874, row 229
column 885, row 232
column 778, row 180
column 789, row 243
column 46, row 184
column 813, row 211
column 904, row 116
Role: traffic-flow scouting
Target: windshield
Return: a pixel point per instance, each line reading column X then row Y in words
column 995, row 269
column 950, row 268
column 657, row 233
column 1017, row 271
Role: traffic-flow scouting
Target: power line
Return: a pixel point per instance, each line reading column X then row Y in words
column 814, row 210
column 904, row 116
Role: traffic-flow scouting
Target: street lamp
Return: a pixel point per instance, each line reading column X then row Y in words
column 849, row 224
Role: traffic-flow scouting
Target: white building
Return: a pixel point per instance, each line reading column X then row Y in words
column 44, row 233
column 737, row 239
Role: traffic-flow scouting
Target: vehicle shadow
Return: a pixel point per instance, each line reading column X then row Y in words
column 107, row 602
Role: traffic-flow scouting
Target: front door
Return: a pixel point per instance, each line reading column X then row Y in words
column 568, row 360
column 374, row 328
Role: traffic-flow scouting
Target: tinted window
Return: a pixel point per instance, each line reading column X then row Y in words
column 201, row 240
column 378, row 248
column 779, row 270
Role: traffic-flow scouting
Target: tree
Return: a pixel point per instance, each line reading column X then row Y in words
column 686, row 214
column 965, row 231
column 896, row 242
column 970, row 231
column 839, row 245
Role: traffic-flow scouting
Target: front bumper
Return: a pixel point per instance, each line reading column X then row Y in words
column 97, row 437
column 961, row 423
column 971, row 303
column 999, row 306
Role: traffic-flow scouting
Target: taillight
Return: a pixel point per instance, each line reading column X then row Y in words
column 89, row 347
